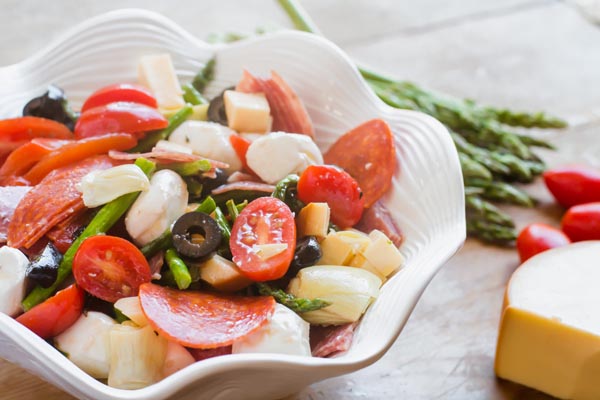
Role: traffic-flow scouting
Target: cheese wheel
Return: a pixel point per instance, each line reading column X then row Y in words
column 549, row 335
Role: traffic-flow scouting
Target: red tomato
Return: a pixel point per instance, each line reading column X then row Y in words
column 572, row 185
column 240, row 145
column 119, row 117
column 17, row 131
column 110, row 267
column 266, row 220
column 79, row 150
column 326, row 183
column 26, row 155
column 120, row 92
column 536, row 238
column 582, row 222
column 56, row 314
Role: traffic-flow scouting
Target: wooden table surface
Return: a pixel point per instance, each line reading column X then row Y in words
column 529, row 54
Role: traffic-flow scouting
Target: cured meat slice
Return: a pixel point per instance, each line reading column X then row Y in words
column 331, row 340
column 244, row 185
column 378, row 217
column 203, row 354
column 53, row 200
column 165, row 157
column 65, row 232
column 288, row 111
column 203, row 320
column 368, row 153
column 10, row 196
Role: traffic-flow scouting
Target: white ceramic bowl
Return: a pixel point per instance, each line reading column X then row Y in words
column 426, row 200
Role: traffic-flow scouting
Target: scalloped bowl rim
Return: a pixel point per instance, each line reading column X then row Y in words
column 50, row 358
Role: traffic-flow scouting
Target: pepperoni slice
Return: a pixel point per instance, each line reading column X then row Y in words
column 288, row 111
column 53, row 200
column 368, row 153
column 64, row 233
column 203, row 320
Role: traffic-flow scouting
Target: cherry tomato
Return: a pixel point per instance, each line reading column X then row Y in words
column 79, row 150
column 572, row 185
column 26, row 155
column 119, row 117
column 120, row 92
column 582, row 222
column 536, row 238
column 17, row 131
column 240, row 146
column 110, row 267
column 266, row 220
column 55, row 315
column 326, row 183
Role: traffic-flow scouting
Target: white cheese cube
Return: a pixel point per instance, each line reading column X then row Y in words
column 313, row 220
column 13, row 268
column 247, row 112
column 158, row 74
column 223, row 275
column 382, row 254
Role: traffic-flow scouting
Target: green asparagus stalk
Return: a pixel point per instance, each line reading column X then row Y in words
column 108, row 215
column 296, row 304
column 193, row 96
column 489, row 151
column 203, row 78
column 180, row 271
column 152, row 138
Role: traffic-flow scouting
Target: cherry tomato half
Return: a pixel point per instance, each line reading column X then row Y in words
column 18, row 131
column 110, row 267
column 240, row 146
column 582, row 222
column 573, row 185
column 536, row 238
column 120, row 92
column 326, row 183
column 266, row 220
column 55, row 315
column 119, row 117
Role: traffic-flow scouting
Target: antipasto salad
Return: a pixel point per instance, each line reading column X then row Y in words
column 153, row 228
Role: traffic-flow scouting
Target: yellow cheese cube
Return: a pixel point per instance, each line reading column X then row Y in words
column 132, row 309
column 313, row 220
column 382, row 254
column 340, row 247
column 549, row 335
column 247, row 112
column 359, row 261
column 223, row 275
column 158, row 74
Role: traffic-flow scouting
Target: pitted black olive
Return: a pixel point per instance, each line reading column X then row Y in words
column 308, row 253
column 196, row 223
column 216, row 109
column 43, row 269
column 51, row 105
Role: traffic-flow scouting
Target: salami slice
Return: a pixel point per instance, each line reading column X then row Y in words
column 164, row 157
column 10, row 196
column 64, row 233
column 203, row 320
column 378, row 217
column 288, row 111
column 203, row 354
column 53, row 200
column 331, row 340
column 368, row 153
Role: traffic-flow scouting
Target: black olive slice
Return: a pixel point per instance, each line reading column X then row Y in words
column 216, row 109
column 308, row 253
column 43, row 269
column 52, row 105
column 196, row 223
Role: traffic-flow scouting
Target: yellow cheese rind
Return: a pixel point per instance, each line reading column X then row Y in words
column 158, row 74
column 549, row 335
column 247, row 112
column 313, row 220
column 223, row 275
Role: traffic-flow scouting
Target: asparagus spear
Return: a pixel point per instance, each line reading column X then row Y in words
column 296, row 304
column 486, row 147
